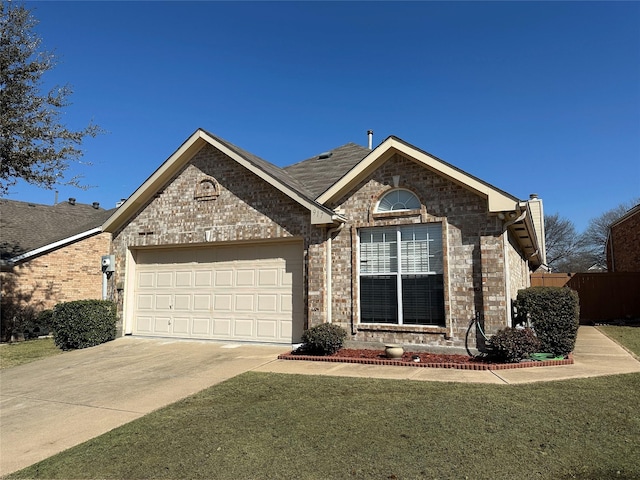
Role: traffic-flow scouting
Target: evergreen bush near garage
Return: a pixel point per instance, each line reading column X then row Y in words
column 84, row 323
column 554, row 314
column 513, row 344
column 324, row 339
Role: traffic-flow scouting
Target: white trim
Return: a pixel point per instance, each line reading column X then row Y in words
column 55, row 245
column 320, row 215
column 498, row 200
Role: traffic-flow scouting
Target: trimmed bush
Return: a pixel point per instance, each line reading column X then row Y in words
column 513, row 344
column 554, row 314
column 84, row 323
column 324, row 339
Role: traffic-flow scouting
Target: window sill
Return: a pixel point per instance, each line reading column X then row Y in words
column 378, row 327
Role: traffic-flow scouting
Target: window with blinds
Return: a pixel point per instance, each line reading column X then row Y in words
column 401, row 275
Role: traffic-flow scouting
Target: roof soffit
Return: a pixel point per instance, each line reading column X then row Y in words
column 498, row 200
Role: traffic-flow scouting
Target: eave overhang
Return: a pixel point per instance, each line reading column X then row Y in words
column 320, row 215
column 497, row 200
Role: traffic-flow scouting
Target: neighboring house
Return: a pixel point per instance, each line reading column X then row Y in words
column 392, row 243
column 623, row 243
column 51, row 254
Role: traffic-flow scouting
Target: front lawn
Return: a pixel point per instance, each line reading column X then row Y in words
column 311, row 427
column 13, row 354
column 629, row 337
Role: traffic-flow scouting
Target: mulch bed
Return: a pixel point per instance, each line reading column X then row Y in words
column 420, row 359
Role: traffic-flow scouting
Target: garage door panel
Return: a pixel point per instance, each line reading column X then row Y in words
column 181, row 325
column 232, row 292
column 267, row 303
column 244, row 303
column 145, row 324
column 146, row 279
column 222, row 328
column 203, row 279
column 164, row 280
column 268, row 277
column 182, row 302
column 161, row 324
column 144, row 301
column 267, row 329
column 184, row 279
column 224, row 278
column 245, row 278
column 223, row 303
column 201, row 326
column 243, row 328
column 163, row 302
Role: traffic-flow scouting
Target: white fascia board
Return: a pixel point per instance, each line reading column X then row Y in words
column 319, row 214
column 55, row 245
column 498, row 201
column 158, row 178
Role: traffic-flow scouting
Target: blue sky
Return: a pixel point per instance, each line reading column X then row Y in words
column 531, row 97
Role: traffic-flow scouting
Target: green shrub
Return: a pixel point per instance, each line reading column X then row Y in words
column 554, row 314
column 513, row 344
column 84, row 323
column 324, row 339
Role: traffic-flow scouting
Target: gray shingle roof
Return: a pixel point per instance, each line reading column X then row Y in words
column 276, row 172
column 26, row 226
column 318, row 174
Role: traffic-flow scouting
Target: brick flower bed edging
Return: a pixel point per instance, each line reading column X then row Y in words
column 404, row 363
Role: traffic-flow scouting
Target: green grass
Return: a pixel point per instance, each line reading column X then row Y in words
column 13, row 354
column 307, row 427
column 627, row 336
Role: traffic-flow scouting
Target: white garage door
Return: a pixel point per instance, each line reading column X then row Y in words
column 249, row 293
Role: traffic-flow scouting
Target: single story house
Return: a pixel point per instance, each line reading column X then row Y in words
column 391, row 243
column 51, row 253
column 623, row 254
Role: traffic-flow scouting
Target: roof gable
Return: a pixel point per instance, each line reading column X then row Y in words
column 498, row 200
column 269, row 172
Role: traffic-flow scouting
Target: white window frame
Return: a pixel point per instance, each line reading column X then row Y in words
column 399, row 272
column 412, row 197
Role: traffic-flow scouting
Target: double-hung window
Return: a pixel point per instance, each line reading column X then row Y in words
column 401, row 275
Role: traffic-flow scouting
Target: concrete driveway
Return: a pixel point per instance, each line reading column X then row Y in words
column 50, row 405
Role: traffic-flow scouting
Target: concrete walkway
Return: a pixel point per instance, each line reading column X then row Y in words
column 53, row 404
column 595, row 355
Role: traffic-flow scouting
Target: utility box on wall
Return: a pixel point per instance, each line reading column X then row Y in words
column 108, row 263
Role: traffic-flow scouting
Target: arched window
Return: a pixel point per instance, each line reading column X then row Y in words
column 398, row 199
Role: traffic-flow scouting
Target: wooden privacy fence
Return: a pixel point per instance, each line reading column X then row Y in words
column 604, row 297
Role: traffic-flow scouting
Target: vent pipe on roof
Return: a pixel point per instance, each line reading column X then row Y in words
column 370, row 135
column 72, row 201
column 95, row 205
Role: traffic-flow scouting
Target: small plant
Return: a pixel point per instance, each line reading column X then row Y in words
column 554, row 314
column 84, row 323
column 511, row 345
column 324, row 339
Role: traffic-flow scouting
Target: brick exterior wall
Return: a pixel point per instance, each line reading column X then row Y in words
column 474, row 255
column 246, row 208
column 623, row 253
column 69, row 273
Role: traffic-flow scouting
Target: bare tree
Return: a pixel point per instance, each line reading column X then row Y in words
column 34, row 145
column 565, row 249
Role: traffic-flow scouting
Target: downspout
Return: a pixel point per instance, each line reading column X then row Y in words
column 328, row 279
